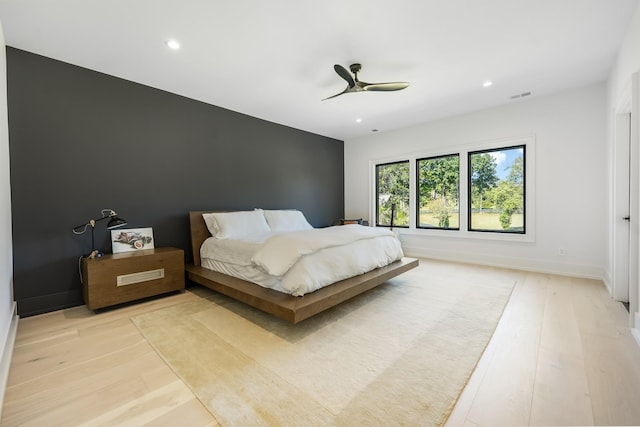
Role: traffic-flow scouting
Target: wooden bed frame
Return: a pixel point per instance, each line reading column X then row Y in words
column 287, row 307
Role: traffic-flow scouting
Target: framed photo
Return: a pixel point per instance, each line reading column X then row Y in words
column 133, row 239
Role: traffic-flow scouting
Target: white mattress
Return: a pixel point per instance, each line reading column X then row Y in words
column 311, row 271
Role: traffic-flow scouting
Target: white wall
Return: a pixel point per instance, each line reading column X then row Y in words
column 8, row 319
column 570, row 140
column 627, row 62
column 619, row 87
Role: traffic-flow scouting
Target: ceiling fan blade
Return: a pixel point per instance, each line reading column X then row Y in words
column 355, row 85
column 385, row 86
column 338, row 94
column 342, row 72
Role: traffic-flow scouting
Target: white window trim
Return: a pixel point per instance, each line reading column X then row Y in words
column 463, row 150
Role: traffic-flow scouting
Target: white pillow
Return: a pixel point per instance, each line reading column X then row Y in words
column 233, row 225
column 286, row 220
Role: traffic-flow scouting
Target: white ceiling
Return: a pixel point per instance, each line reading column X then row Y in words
column 273, row 59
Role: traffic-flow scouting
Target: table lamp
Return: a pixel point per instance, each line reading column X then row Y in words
column 114, row 222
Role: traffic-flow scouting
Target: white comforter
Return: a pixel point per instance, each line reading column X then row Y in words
column 303, row 261
column 280, row 252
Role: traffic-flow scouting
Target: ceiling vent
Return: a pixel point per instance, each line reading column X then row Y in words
column 521, row 95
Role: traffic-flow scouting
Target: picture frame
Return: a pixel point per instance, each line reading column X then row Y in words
column 132, row 239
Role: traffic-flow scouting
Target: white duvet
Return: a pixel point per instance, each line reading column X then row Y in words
column 300, row 262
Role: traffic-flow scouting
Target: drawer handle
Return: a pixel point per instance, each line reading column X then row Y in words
column 143, row 276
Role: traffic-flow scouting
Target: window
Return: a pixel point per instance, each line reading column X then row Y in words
column 438, row 180
column 472, row 191
column 497, row 190
column 392, row 194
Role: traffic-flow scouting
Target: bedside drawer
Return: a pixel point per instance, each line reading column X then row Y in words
column 117, row 278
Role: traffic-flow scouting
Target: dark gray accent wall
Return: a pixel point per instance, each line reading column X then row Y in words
column 81, row 141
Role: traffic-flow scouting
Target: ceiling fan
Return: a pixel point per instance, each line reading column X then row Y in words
column 355, row 85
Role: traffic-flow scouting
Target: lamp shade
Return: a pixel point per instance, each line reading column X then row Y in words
column 116, row 222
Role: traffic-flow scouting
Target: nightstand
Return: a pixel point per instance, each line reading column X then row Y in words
column 117, row 278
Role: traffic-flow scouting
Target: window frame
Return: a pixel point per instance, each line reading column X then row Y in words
column 377, row 213
column 524, row 190
column 462, row 150
column 417, row 193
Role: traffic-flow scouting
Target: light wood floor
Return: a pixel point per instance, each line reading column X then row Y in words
column 561, row 355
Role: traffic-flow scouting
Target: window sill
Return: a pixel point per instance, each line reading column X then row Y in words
column 461, row 234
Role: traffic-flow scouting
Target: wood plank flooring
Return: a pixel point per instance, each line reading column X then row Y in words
column 77, row 368
column 561, row 355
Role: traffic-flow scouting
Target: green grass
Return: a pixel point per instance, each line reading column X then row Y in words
column 427, row 219
column 480, row 221
column 491, row 221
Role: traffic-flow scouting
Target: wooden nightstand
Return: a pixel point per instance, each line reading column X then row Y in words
column 116, row 278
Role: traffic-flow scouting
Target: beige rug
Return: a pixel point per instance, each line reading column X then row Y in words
column 397, row 355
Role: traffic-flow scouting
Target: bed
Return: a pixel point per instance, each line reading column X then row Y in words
column 284, row 305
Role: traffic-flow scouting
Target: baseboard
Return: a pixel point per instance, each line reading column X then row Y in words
column 525, row 264
column 50, row 302
column 635, row 330
column 7, row 353
column 608, row 282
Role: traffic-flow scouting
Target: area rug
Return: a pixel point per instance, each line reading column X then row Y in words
column 399, row 354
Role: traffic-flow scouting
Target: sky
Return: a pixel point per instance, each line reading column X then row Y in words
column 504, row 159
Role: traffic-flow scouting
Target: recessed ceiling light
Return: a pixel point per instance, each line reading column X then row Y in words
column 173, row 44
column 487, row 83
column 358, row 120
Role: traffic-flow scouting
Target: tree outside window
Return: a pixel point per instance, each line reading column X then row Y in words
column 438, row 186
column 497, row 189
column 392, row 194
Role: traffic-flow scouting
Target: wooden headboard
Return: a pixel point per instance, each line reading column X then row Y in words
column 199, row 233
